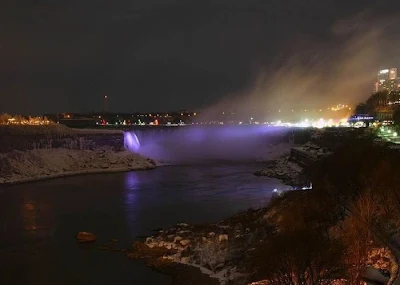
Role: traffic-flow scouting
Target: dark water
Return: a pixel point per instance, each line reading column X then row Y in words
column 38, row 221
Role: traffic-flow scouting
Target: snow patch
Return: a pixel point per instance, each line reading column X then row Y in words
column 31, row 165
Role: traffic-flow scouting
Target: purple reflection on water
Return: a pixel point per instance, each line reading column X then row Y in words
column 131, row 141
column 131, row 181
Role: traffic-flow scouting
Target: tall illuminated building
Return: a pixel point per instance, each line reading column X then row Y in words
column 383, row 75
column 387, row 80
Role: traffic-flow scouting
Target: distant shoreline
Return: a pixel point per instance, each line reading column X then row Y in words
column 75, row 173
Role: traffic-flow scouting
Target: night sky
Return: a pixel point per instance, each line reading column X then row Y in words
column 162, row 55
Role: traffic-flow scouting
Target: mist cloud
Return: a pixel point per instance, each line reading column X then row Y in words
column 316, row 74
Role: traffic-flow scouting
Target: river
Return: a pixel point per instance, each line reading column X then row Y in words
column 39, row 221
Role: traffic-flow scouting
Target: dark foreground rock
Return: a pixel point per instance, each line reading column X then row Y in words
column 285, row 170
column 181, row 274
column 85, row 237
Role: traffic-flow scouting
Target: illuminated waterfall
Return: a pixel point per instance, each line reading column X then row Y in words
column 131, row 142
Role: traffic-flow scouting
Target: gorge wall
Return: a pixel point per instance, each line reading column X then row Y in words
column 57, row 136
column 29, row 153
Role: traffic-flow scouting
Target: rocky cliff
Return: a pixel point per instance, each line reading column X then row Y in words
column 57, row 136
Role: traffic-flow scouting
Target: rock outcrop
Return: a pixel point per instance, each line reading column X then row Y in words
column 85, row 237
column 212, row 248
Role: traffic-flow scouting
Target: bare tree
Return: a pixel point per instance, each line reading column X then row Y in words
column 355, row 238
column 299, row 257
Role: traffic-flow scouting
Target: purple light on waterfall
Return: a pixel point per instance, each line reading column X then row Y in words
column 131, row 142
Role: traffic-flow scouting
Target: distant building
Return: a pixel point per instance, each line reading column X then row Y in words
column 364, row 119
column 390, row 85
column 393, row 74
column 383, row 75
column 387, row 80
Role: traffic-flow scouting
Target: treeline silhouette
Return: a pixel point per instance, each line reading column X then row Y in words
column 383, row 104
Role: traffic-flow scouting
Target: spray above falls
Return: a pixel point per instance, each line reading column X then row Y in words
column 205, row 144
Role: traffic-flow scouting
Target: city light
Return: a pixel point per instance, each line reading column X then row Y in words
column 6, row 119
column 306, row 123
column 340, row 107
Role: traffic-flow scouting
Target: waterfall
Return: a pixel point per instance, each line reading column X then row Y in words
column 131, row 142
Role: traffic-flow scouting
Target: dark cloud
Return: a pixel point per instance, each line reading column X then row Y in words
column 60, row 55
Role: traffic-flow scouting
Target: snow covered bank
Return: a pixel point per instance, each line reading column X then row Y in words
column 283, row 169
column 31, row 165
column 57, row 136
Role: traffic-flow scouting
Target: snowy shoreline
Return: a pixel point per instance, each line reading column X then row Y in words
column 283, row 169
column 206, row 250
column 40, row 164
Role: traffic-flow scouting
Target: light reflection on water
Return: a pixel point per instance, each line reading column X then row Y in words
column 37, row 216
column 131, row 180
column 29, row 214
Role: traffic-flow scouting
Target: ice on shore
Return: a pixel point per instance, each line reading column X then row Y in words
column 30, row 165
